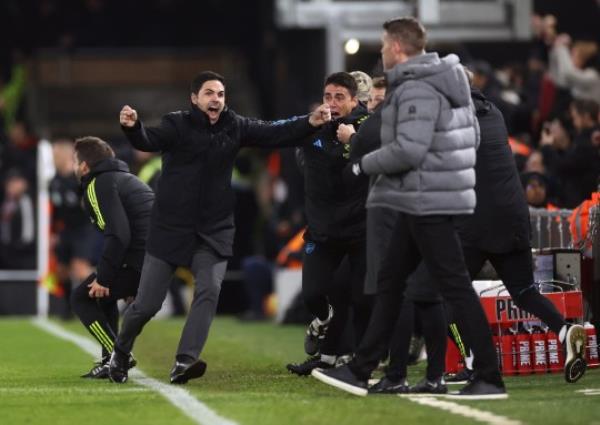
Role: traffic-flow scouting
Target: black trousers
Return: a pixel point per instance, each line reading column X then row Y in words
column 100, row 316
column 515, row 269
column 433, row 240
column 433, row 320
column 321, row 288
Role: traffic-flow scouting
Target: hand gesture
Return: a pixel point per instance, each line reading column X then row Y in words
column 128, row 116
column 320, row 116
column 97, row 290
column 345, row 132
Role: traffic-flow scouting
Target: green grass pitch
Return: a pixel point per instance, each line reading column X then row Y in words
column 246, row 382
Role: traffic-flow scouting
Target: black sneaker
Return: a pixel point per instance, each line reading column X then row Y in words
column 427, row 387
column 306, row 367
column 99, row 370
column 183, row 372
column 478, row 389
column 462, row 377
column 315, row 333
column 387, row 386
column 575, row 343
column 118, row 367
column 343, row 379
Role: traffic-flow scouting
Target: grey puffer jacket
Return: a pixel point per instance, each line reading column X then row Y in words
column 429, row 134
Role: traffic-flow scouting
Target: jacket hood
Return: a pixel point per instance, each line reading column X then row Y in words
column 444, row 74
column 106, row 165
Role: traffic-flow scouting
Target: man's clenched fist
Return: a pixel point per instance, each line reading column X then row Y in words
column 128, row 116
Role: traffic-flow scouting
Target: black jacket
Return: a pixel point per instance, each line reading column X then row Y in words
column 119, row 205
column 194, row 197
column 334, row 209
column 500, row 222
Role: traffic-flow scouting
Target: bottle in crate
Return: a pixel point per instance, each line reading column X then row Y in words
column 556, row 357
column 538, row 349
column 523, row 342
column 592, row 345
column 508, row 352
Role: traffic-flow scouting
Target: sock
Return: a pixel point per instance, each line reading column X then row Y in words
column 469, row 360
column 562, row 334
column 184, row 358
column 329, row 359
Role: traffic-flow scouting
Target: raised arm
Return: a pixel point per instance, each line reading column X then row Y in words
column 148, row 139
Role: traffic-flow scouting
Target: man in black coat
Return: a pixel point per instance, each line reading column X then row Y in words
column 119, row 206
column 192, row 219
column 497, row 231
column 336, row 230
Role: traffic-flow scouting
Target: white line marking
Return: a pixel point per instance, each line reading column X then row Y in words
column 199, row 412
column 62, row 390
column 466, row 411
column 589, row 391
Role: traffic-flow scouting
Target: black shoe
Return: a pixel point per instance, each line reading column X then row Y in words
column 100, row 370
column 387, row 386
column 575, row 343
column 343, row 379
column 315, row 334
column 478, row 389
column 306, row 367
column 183, row 372
column 462, row 377
column 429, row 387
column 118, row 367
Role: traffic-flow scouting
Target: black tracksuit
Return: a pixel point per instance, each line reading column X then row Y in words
column 119, row 205
column 192, row 220
column 335, row 212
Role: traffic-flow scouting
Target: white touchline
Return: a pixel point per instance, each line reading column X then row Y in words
column 199, row 412
column 466, row 411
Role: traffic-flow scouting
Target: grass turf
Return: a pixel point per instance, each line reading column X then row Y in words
column 246, row 381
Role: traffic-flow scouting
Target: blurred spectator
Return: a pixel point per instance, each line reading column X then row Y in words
column 536, row 190
column 377, row 93
column 74, row 239
column 20, row 153
column 569, row 68
column 17, row 224
column 576, row 165
column 364, row 83
column 11, row 96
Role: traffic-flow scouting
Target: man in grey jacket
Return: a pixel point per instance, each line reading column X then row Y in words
column 429, row 136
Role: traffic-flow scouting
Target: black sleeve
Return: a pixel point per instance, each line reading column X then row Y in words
column 278, row 134
column 152, row 139
column 103, row 196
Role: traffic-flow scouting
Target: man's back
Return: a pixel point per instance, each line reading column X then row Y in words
column 500, row 196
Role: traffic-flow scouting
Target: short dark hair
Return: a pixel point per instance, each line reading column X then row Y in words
column 92, row 150
column 587, row 107
column 409, row 32
column 379, row 83
column 203, row 77
column 343, row 79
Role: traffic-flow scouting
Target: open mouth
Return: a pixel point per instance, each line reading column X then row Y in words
column 213, row 109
